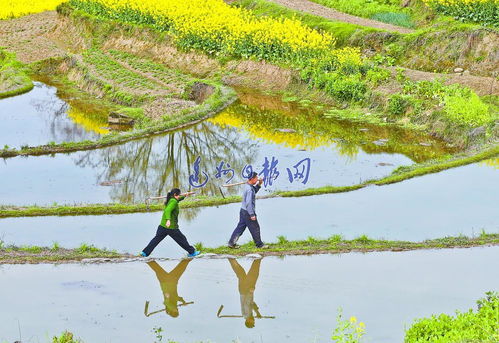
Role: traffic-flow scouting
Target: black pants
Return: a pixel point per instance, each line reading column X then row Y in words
column 246, row 222
column 177, row 236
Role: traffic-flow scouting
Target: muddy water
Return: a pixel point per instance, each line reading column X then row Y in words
column 40, row 117
column 257, row 130
column 457, row 201
column 220, row 300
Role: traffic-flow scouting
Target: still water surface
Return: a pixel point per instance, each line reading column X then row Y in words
column 457, row 201
column 41, row 116
column 256, row 130
column 294, row 299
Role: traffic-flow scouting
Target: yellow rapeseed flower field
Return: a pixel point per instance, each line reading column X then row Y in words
column 17, row 8
column 215, row 21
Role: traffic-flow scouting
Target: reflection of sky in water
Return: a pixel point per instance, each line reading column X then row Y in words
column 457, row 201
column 39, row 117
column 303, row 293
column 344, row 155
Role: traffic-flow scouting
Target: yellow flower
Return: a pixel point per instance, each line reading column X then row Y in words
column 353, row 319
column 16, row 8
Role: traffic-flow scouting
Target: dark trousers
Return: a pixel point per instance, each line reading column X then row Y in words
column 246, row 222
column 177, row 236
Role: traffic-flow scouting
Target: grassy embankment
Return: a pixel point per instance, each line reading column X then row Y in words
column 457, row 44
column 401, row 174
column 13, row 77
column 333, row 245
column 336, row 244
column 10, row 254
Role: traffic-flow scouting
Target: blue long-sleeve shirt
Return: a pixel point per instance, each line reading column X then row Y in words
column 249, row 195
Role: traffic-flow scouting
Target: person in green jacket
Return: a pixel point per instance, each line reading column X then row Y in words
column 169, row 225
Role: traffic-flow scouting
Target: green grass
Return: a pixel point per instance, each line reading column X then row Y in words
column 394, row 18
column 55, row 253
column 157, row 70
column 388, row 11
column 13, row 77
column 398, row 175
column 336, row 244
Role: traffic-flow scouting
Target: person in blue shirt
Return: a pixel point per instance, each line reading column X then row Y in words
column 247, row 214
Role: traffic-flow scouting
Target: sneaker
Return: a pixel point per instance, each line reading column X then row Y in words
column 194, row 254
column 142, row 254
column 265, row 246
column 233, row 246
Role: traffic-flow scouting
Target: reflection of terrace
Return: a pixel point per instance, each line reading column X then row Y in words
column 311, row 130
column 66, row 123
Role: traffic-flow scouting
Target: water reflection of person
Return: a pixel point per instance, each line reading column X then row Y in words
column 247, row 284
column 169, row 283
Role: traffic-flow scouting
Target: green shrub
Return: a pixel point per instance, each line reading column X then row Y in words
column 469, row 109
column 377, row 76
column 481, row 326
column 460, row 104
column 66, row 337
column 399, row 104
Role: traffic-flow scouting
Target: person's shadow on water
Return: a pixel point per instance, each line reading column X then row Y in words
column 169, row 283
column 246, row 285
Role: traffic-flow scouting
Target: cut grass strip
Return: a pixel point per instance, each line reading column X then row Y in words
column 11, row 254
column 336, row 244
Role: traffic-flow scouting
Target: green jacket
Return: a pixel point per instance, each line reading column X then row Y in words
column 171, row 212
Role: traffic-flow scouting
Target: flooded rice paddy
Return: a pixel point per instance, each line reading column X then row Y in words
column 41, row 117
column 293, row 146
column 221, row 300
column 269, row 300
column 453, row 202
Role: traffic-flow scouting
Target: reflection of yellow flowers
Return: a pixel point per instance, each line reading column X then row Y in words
column 267, row 133
column 353, row 319
column 89, row 123
column 17, row 8
column 493, row 162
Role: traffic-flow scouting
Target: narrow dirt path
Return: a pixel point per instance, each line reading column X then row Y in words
column 329, row 13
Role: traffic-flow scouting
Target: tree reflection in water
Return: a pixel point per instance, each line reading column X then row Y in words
column 153, row 165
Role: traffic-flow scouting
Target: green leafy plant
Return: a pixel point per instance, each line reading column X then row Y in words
column 399, row 104
column 480, row 326
column 66, row 337
column 348, row 331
